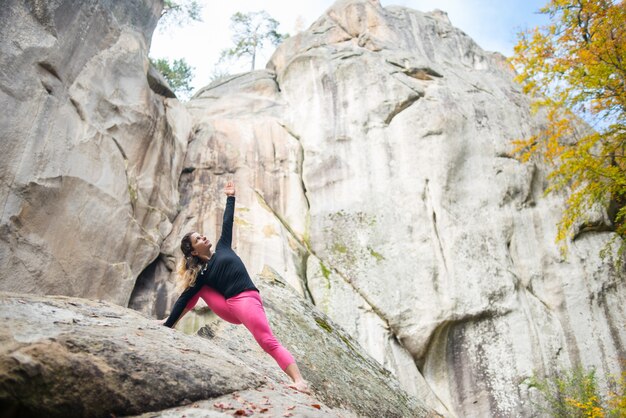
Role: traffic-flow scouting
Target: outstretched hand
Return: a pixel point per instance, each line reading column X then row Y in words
column 229, row 189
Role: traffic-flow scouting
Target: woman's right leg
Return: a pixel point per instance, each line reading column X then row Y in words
column 216, row 302
column 248, row 307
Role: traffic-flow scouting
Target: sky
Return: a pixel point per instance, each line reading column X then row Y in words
column 493, row 24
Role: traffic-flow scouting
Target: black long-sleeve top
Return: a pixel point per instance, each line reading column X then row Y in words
column 225, row 271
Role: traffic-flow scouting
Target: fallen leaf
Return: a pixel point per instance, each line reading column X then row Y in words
column 222, row 405
column 243, row 412
column 291, row 408
column 316, row 406
column 264, row 410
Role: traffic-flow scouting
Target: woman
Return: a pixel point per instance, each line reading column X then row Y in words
column 222, row 280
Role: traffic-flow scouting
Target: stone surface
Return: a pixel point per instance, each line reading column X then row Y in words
column 66, row 356
column 373, row 160
column 90, row 156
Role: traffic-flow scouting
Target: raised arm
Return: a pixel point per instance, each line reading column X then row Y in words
column 229, row 214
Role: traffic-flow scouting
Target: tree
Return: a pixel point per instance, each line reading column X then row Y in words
column 251, row 31
column 178, row 74
column 576, row 393
column 577, row 63
column 179, row 13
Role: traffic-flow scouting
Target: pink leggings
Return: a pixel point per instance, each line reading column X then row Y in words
column 245, row 308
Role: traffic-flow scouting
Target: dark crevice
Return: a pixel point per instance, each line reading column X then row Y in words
column 79, row 110
column 454, row 320
column 401, row 107
column 304, row 277
column 275, row 78
column 433, row 133
column 505, row 155
column 305, row 255
column 303, row 244
column 592, row 227
column 420, row 73
column 481, row 89
column 534, row 183
column 531, row 292
column 131, row 191
column 300, row 164
column 145, row 284
column 46, row 66
column 47, row 87
column 120, row 148
column 429, row 206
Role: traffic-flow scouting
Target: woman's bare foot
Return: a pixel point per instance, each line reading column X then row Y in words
column 299, row 383
column 301, row 386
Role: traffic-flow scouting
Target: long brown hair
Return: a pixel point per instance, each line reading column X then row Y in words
column 188, row 266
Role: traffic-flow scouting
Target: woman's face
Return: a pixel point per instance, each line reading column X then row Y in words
column 201, row 245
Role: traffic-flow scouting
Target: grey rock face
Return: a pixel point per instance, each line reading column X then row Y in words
column 90, row 160
column 66, row 356
column 374, row 175
column 74, row 357
column 376, row 178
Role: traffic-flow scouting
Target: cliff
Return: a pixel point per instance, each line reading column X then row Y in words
column 372, row 158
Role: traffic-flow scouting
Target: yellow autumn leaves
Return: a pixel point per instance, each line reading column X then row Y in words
column 576, row 65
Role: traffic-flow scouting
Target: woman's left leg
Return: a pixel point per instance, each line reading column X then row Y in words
column 248, row 308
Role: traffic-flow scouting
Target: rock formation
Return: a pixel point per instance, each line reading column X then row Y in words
column 374, row 155
column 372, row 158
column 91, row 156
column 74, row 357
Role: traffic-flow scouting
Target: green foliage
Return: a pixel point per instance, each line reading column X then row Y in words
column 325, row 271
column 251, row 31
column 179, row 13
column 178, row 74
column 575, row 393
column 326, row 274
column 378, row 256
column 324, row 325
column 578, row 63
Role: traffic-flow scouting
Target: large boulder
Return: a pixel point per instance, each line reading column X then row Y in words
column 66, row 356
column 90, row 154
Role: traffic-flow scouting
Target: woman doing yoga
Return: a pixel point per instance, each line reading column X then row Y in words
column 221, row 279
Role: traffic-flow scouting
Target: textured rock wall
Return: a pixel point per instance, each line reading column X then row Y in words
column 90, row 158
column 373, row 171
column 373, row 162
